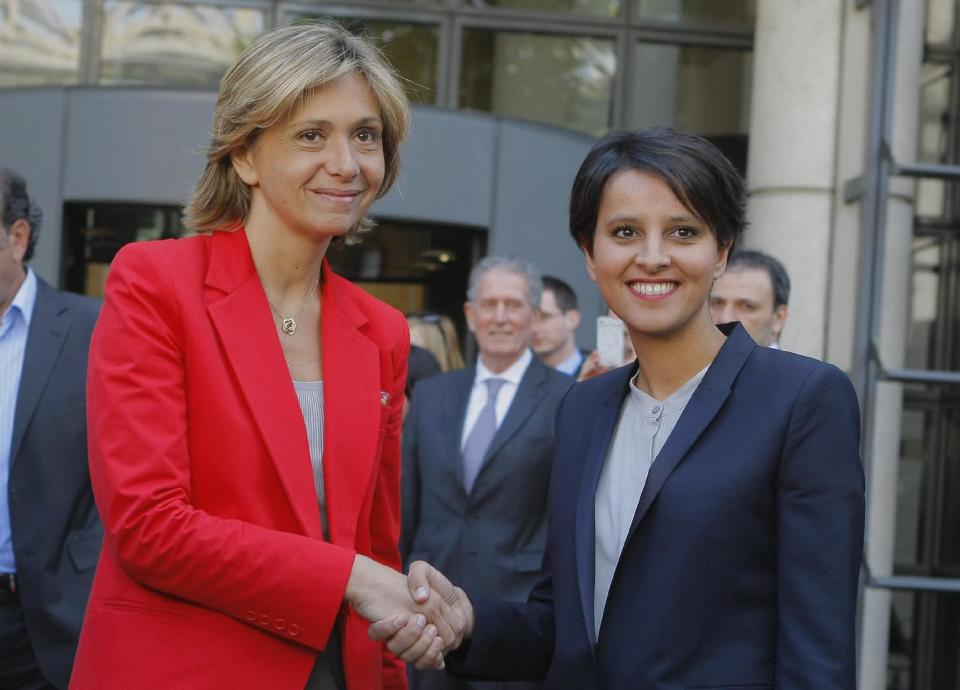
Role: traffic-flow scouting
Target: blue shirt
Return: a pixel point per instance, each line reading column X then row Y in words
column 571, row 365
column 14, row 326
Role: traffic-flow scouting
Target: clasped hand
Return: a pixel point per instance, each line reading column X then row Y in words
column 420, row 617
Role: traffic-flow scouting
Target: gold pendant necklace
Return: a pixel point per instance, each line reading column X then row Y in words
column 288, row 324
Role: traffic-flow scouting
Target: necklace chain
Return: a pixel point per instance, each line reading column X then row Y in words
column 288, row 324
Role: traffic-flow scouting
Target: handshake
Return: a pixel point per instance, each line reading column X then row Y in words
column 420, row 617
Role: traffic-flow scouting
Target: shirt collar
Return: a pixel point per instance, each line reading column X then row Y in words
column 675, row 401
column 571, row 364
column 511, row 374
column 24, row 300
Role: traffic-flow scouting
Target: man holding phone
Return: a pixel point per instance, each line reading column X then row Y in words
column 554, row 327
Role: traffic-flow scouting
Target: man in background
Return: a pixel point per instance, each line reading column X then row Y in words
column 50, row 533
column 477, row 451
column 554, row 327
column 754, row 290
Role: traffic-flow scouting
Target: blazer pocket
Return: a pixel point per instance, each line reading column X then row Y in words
column 528, row 561
column 137, row 607
column 84, row 548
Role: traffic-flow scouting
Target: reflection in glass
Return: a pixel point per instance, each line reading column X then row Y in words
column 924, row 302
column 39, row 42
column 732, row 12
column 557, row 79
column 605, row 8
column 168, row 43
column 411, row 48
column 934, row 139
column 705, row 91
column 924, row 638
column 940, row 20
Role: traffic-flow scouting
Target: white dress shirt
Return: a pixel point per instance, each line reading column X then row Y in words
column 478, row 395
column 13, row 344
column 645, row 425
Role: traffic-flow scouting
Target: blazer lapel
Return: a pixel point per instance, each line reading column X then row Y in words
column 700, row 411
column 601, row 435
column 351, row 409
column 47, row 332
column 250, row 342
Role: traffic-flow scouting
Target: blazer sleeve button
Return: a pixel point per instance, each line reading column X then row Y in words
column 293, row 630
column 279, row 624
column 251, row 616
column 264, row 619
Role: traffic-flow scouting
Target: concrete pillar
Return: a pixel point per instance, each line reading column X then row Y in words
column 793, row 134
column 894, row 327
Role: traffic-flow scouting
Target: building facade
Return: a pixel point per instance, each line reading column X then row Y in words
column 823, row 104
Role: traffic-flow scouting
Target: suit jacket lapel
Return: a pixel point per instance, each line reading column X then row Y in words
column 528, row 396
column 455, row 416
column 700, row 411
column 250, row 341
column 47, row 332
column 351, row 408
column 601, row 435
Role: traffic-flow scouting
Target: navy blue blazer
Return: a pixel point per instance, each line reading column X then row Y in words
column 741, row 566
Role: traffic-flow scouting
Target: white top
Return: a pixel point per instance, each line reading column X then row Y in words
column 478, row 395
column 645, row 425
column 310, row 396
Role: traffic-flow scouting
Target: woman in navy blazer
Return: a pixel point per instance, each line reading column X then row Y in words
column 739, row 558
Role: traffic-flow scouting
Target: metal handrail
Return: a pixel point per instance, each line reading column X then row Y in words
column 909, row 582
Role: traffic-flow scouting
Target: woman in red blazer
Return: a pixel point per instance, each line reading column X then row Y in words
column 247, row 533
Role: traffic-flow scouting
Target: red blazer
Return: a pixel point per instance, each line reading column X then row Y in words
column 214, row 571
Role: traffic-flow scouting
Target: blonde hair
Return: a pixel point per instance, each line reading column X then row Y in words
column 266, row 85
column 436, row 333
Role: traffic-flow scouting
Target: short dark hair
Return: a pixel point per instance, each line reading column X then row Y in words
column 17, row 205
column 564, row 295
column 698, row 174
column 779, row 279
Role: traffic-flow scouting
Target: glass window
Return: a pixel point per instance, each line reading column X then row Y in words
column 940, row 22
column 734, row 12
column 557, row 79
column 934, row 135
column 39, row 42
column 605, row 8
column 924, row 636
column 94, row 233
column 412, row 49
column 701, row 90
column 168, row 43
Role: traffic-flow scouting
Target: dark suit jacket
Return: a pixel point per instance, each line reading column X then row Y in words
column 740, row 570
column 56, row 531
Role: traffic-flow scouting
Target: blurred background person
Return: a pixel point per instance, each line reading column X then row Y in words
column 477, row 449
column 755, row 291
column 245, row 401
column 49, row 530
column 437, row 334
column 421, row 364
column 554, row 328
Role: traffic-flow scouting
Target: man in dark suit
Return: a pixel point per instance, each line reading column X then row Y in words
column 477, row 449
column 49, row 530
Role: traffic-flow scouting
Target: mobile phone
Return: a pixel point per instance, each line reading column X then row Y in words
column 610, row 336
